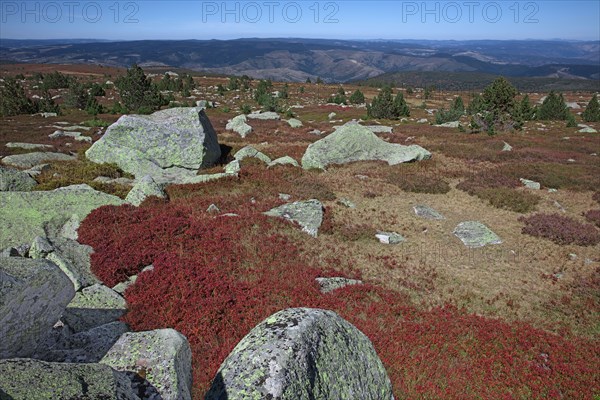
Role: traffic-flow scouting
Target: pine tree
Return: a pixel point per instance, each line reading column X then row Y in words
column 592, row 111
column 499, row 97
column 13, row 100
column 400, row 107
column 137, row 91
column 357, row 97
column 383, row 105
column 553, row 108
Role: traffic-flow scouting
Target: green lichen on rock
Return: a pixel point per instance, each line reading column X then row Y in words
column 358, row 143
column 25, row 215
column 143, row 189
column 308, row 214
column 476, row 234
column 29, row 160
column 163, row 354
column 250, row 151
column 25, row 379
column 94, row 306
column 176, row 141
column 12, row 180
column 33, row 295
column 302, row 354
column 238, row 124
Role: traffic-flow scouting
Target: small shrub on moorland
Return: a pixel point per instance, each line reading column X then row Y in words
column 553, row 108
column 555, row 175
column 592, row 111
column 355, row 232
column 510, row 199
column 215, row 278
column 593, row 216
column 487, row 179
column 560, row 229
column 596, row 197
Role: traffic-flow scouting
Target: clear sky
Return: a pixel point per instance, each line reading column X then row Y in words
column 342, row 19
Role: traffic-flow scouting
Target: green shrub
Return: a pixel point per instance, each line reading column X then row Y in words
column 553, row 108
column 592, row 111
column 137, row 91
column 357, row 97
column 13, row 100
column 246, row 109
column 386, row 107
column 96, row 90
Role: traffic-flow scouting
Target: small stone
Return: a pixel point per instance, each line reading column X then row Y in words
column 284, row 196
column 213, row 209
column 389, row 237
column 530, row 184
column 294, row 123
column 427, row 212
column 328, row 285
column 346, row 203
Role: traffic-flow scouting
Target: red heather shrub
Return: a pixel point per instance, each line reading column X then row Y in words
column 593, row 216
column 560, row 229
column 216, row 277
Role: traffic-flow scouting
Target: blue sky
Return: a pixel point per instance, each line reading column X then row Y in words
column 344, row 19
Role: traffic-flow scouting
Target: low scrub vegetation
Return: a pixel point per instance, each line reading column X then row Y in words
column 560, row 229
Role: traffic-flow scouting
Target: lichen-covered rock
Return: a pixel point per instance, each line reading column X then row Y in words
column 285, row 160
column 94, row 306
column 166, row 145
column 507, row 147
column 25, row 379
column 40, row 247
column 12, row 180
column 330, row 284
column 143, row 189
column 33, row 295
column 250, row 151
column 475, row 234
column 238, row 125
column 29, row 160
column 233, row 167
column 73, row 259
column 25, row 215
column 379, row 128
column 357, row 143
column 452, row 124
column 427, row 212
column 269, row 115
column 164, row 355
column 83, row 347
column 294, row 123
column 302, row 354
column 529, row 184
column 308, row 214
column 28, row 146
column 390, row 237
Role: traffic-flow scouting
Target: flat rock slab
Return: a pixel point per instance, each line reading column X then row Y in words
column 25, row 215
column 308, row 214
column 29, row 160
column 28, row 146
column 328, row 285
column 265, row 116
column 33, row 295
column 167, row 144
column 427, row 212
column 476, row 234
column 285, row 160
column 302, row 354
column 25, row 379
column 94, row 306
column 13, row 180
column 357, row 143
column 390, row 237
column 164, row 355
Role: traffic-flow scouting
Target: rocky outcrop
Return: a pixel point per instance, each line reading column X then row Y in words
column 168, row 145
column 357, row 143
column 302, row 354
column 308, row 214
column 33, row 295
column 24, row 379
column 12, row 180
column 164, row 357
column 25, row 215
column 93, row 306
column 143, row 189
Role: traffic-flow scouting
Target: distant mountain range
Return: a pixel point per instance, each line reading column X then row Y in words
column 332, row 60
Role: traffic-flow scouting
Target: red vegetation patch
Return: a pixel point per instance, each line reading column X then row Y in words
column 596, row 197
column 216, row 277
column 560, row 229
column 593, row 216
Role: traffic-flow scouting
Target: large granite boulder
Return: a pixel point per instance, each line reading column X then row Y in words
column 33, row 295
column 13, row 180
column 358, row 143
column 25, row 379
column 25, row 215
column 302, row 354
column 308, row 214
column 164, row 355
column 167, row 145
